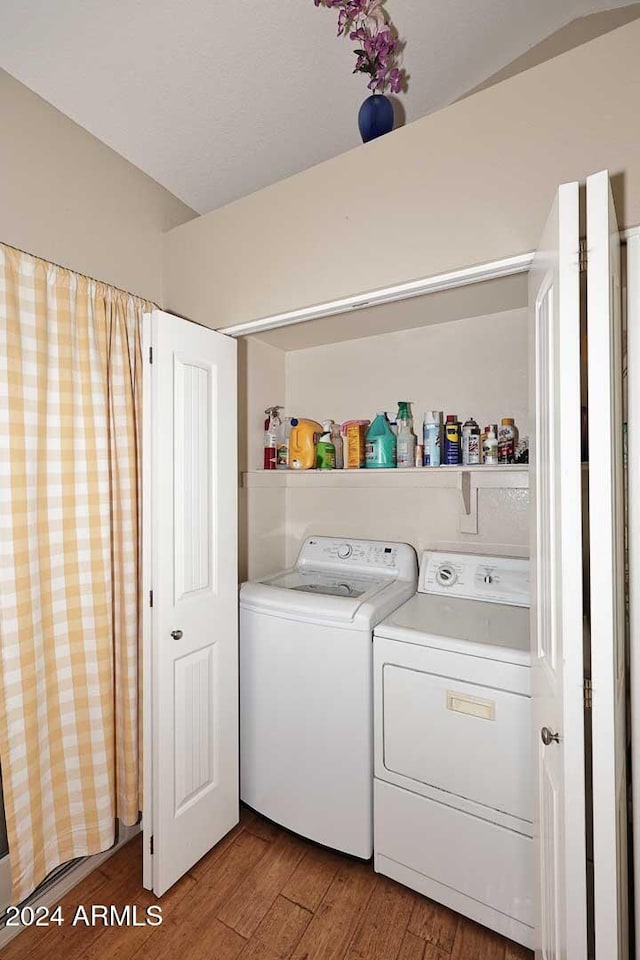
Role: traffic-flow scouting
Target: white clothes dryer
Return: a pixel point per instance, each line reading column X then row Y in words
column 453, row 790
column 306, row 690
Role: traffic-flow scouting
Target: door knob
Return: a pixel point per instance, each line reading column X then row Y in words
column 548, row 737
column 177, row 635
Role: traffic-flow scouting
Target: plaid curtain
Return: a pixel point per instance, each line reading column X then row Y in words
column 70, row 413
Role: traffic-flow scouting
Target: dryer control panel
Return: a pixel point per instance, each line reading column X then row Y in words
column 379, row 558
column 475, row 577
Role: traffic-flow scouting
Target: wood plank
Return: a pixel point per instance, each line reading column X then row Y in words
column 312, row 877
column 66, row 941
column 279, row 933
column 474, row 941
column 33, row 941
column 434, row 923
column 338, row 916
column 205, row 863
column 412, row 948
column 195, row 940
column 127, row 860
column 514, row 951
column 258, row 892
column 384, row 923
column 121, row 943
column 265, row 829
column 193, row 922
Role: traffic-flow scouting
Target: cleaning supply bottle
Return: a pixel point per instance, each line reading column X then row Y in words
column 338, row 443
column 355, row 433
column 507, row 439
column 325, row 450
column 406, row 441
column 302, row 444
column 490, row 445
column 431, row 434
column 272, row 425
column 380, row 444
column 282, row 448
column 452, row 441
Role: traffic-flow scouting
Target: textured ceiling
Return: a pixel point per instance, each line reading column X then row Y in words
column 215, row 100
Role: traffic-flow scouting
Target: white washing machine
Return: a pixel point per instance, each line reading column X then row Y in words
column 453, row 789
column 306, row 713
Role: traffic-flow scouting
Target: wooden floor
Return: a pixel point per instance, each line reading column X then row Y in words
column 263, row 894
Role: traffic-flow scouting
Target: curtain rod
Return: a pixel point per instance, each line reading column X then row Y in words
column 86, row 276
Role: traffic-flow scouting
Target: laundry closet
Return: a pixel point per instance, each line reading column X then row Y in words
column 485, row 365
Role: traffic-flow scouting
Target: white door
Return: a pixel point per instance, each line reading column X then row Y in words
column 191, row 634
column 606, row 537
column 556, row 571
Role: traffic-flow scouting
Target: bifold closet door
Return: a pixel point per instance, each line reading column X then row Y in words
column 190, row 581
column 556, row 585
column 607, row 572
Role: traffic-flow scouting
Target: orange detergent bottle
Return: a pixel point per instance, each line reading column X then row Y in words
column 302, row 443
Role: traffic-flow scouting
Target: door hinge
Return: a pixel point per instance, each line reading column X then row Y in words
column 150, row 354
column 582, row 256
column 150, row 598
column 151, row 845
column 588, row 695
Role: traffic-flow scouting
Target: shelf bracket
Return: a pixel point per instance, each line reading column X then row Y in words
column 468, row 493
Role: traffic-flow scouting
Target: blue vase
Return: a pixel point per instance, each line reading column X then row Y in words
column 375, row 117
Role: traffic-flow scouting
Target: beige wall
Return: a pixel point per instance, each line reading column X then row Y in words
column 474, row 367
column 470, row 183
column 422, row 517
column 68, row 198
column 477, row 366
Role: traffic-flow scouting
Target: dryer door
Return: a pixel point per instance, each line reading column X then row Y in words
column 457, row 724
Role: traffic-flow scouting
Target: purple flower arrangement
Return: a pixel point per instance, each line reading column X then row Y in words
column 366, row 23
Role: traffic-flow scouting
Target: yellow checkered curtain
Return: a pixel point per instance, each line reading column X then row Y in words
column 70, row 411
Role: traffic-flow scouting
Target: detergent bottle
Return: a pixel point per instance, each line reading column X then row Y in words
column 380, row 444
column 302, row 444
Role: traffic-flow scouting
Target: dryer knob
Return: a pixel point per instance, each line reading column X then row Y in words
column 344, row 551
column 446, row 575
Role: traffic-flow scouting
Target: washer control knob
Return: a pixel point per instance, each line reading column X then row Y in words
column 344, row 551
column 488, row 578
column 446, row 575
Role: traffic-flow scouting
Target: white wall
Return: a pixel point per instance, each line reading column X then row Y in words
column 475, row 367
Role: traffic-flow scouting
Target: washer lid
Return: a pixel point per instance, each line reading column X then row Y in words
column 320, row 596
column 494, row 631
column 324, row 583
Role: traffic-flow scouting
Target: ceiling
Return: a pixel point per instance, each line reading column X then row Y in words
column 215, row 100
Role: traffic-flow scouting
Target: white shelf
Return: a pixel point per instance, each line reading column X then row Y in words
column 498, row 477
column 466, row 481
